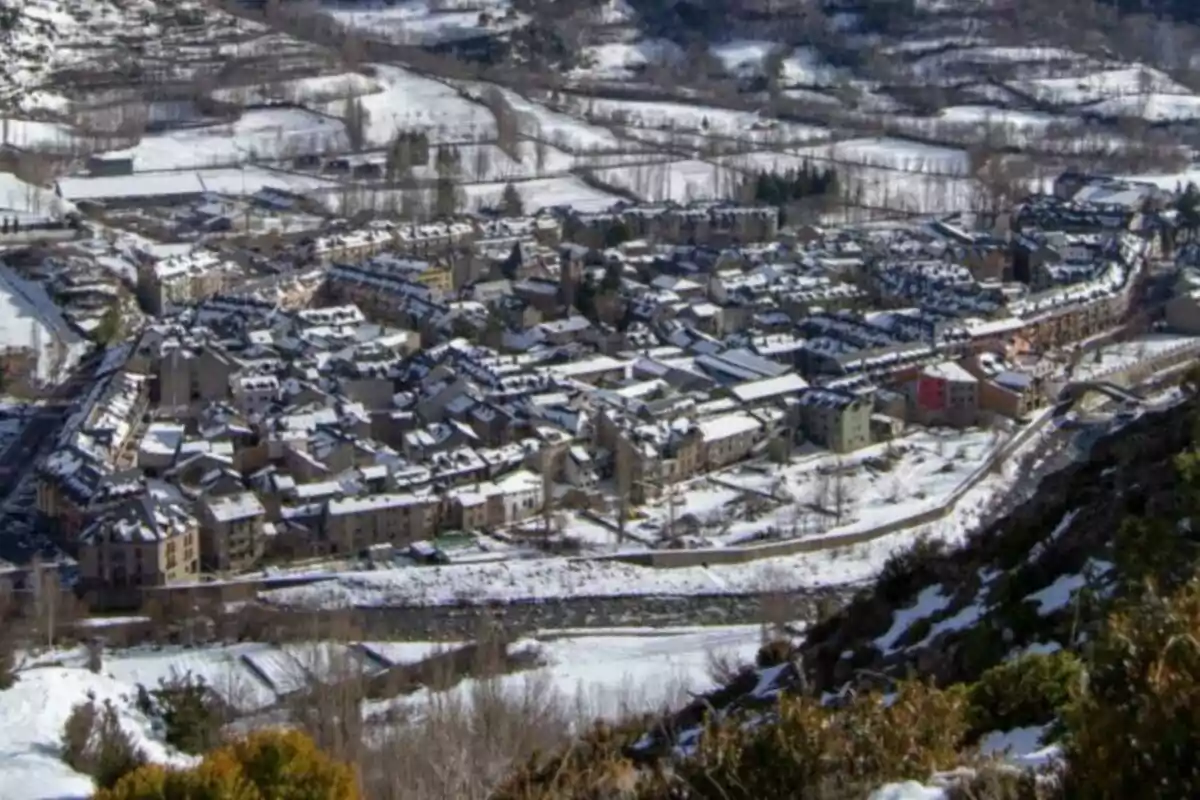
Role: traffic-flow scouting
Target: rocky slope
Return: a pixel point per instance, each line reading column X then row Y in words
column 1042, row 580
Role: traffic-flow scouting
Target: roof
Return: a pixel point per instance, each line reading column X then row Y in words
column 949, row 371
column 769, row 387
column 235, row 507
column 727, row 426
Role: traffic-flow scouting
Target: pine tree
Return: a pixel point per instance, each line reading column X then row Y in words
column 511, row 203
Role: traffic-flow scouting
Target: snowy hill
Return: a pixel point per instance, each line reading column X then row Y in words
column 34, row 711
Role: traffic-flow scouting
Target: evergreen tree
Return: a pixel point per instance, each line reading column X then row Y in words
column 618, row 233
column 511, row 204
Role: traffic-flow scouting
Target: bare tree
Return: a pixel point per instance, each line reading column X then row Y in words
column 508, row 124
column 540, row 152
column 482, row 162
column 356, row 119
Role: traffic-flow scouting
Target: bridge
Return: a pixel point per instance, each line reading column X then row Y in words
column 1074, row 391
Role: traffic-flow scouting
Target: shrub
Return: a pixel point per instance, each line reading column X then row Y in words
column 77, row 736
column 189, row 709
column 908, row 571
column 267, row 765
column 810, row 750
column 95, row 657
column 1030, row 690
column 8, row 672
column 94, row 743
column 1133, row 725
column 773, row 653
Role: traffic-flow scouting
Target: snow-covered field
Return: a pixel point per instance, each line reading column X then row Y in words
column 801, row 66
column 681, row 118
column 890, row 153
column 864, row 490
column 544, row 193
column 563, row 130
column 258, row 135
column 21, row 199
column 246, row 180
column 34, row 711
column 620, row 61
column 316, row 89
column 1122, row 355
column 1092, row 87
column 1152, row 107
column 426, row 23
column 407, row 101
column 619, row 673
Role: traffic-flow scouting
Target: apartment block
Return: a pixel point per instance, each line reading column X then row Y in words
column 232, row 535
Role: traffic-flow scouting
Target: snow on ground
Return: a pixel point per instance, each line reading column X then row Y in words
column 615, row 675
column 996, row 116
column 314, row 89
column 563, row 130
column 223, row 668
column 410, row 102
column 482, row 163
column 555, row 578
column 1153, row 107
column 1122, row 355
column 743, row 57
column 18, row 198
column 1058, row 594
column 682, row 181
column 619, row 61
column 681, row 117
column 890, row 189
column 897, row 154
column 244, row 180
column 802, row 66
column 806, row 67
column 397, row 653
column 877, row 484
column 261, row 134
column 955, row 61
column 34, row 711
column 32, row 134
column 418, row 22
column 535, row 194
column 930, row 601
column 29, row 318
column 1020, row 746
column 1102, row 85
column 543, row 193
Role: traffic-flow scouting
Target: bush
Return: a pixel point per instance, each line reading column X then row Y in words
column 814, row 751
column 1134, row 724
column 267, row 765
column 907, row 572
column 94, row 743
column 1031, row 690
column 190, row 711
column 8, row 671
column 95, row 657
column 773, row 653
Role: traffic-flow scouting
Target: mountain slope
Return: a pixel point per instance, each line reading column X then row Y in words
column 1073, row 621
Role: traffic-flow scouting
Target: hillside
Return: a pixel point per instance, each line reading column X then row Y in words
column 1062, row 631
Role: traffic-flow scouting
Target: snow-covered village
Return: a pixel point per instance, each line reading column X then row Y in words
column 610, row 343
